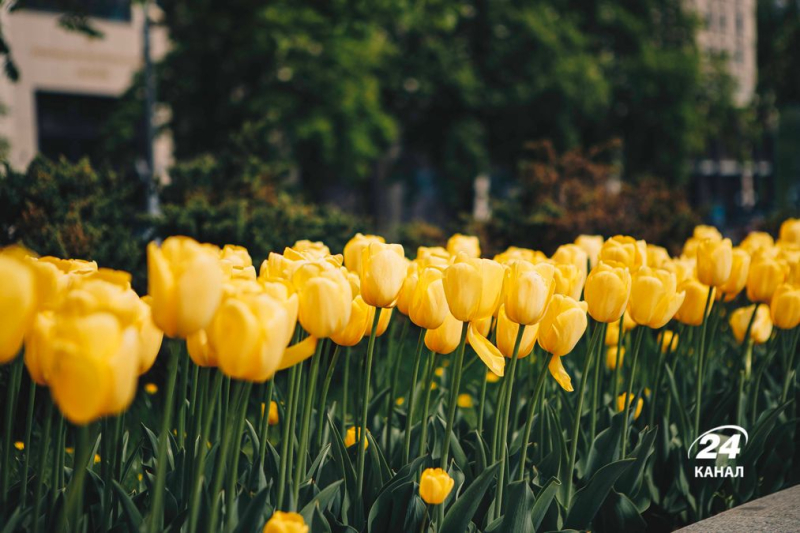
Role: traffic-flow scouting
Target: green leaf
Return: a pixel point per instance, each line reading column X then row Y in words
column 14, row 520
column 340, row 454
column 679, row 408
column 543, row 501
column 321, row 500
column 631, row 481
column 131, row 512
column 256, row 514
column 620, row 514
column 462, row 511
column 415, row 512
column 520, row 500
column 605, row 448
column 588, row 500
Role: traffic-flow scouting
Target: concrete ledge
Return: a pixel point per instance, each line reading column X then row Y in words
column 776, row 512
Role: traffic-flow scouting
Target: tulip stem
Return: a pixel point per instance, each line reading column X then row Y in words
column 37, row 491
column 28, row 448
column 306, row 421
column 629, row 390
column 345, row 391
column 362, row 433
column 181, row 399
column 504, row 415
column 412, row 396
column 156, row 516
column 662, row 360
column 423, row 442
column 532, row 404
column 288, row 434
column 453, row 400
column 262, row 452
column 596, row 385
column 576, row 426
column 618, row 367
column 701, row 364
column 337, row 350
column 15, row 375
column 73, row 506
column 58, row 458
column 233, row 475
column 394, row 352
column 789, row 374
column 746, row 342
column 481, row 406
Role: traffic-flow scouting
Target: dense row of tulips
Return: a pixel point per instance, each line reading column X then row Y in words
column 368, row 463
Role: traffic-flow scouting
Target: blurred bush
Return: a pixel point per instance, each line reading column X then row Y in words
column 560, row 196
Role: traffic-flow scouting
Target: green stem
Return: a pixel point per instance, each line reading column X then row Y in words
column 37, row 492
column 306, row 422
column 664, row 354
column 233, row 475
column 453, row 400
column 28, row 449
column 412, row 396
column 629, row 390
column 222, row 454
column 618, row 367
column 345, row 391
column 362, row 433
column 181, row 399
column 337, row 350
column 534, row 401
column 790, row 372
column 481, row 406
column 73, row 506
column 596, row 385
column 746, row 342
column 58, row 458
column 395, row 352
column 15, row 375
column 701, row 364
column 287, row 436
column 423, row 442
column 262, row 452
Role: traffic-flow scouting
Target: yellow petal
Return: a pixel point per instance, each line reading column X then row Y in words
column 560, row 374
column 487, row 351
column 298, row 353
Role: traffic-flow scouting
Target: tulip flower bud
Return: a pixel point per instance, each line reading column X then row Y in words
column 684, row 268
column 383, row 270
column 785, row 306
column 358, row 325
column 445, row 339
column 607, row 290
column 354, row 248
column 569, row 281
column 464, row 243
column 312, row 249
column 325, row 298
column 435, row 485
column 790, row 231
column 273, row 418
column 714, row 262
column 18, row 301
column 762, row 325
column 286, row 523
column 757, row 241
column 185, row 280
column 407, row 290
column 507, row 331
column 625, row 250
column 562, row 325
column 514, row 254
column 668, row 340
column 353, row 435
column 764, row 276
column 694, row 303
column 657, row 256
column 591, row 244
column 738, row 279
column 621, row 404
column 528, row 290
column 572, row 254
column 611, row 357
column 428, row 308
column 473, row 287
column 654, row 297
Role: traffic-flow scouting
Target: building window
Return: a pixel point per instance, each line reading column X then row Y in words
column 71, row 124
column 739, row 23
column 119, row 10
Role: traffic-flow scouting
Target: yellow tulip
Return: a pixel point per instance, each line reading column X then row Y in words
column 612, row 333
column 428, row 308
column 491, row 377
column 473, row 287
column 790, row 231
column 354, row 248
column 468, row 244
column 18, row 302
column 528, row 290
column 621, row 404
column 714, row 262
column 151, row 388
column 762, row 325
column 200, row 350
column 611, row 357
column 694, row 303
column 764, row 276
column 358, row 325
column 654, row 297
column 683, row 267
column 325, row 298
column 507, row 331
column 407, row 290
column 464, row 401
column 353, row 436
column 625, row 250
column 756, row 241
column 311, row 249
column 433, row 256
column 273, row 418
column 285, row 523
column 38, row 348
column 591, row 244
column 668, row 340
column 513, row 254
column 790, row 254
column 185, row 280
column 785, row 306
column 435, row 485
column 445, row 338
column 657, row 256
column 569, row 281
column 703, row 232
column 150, row 337
column 572, row 254
column 738, row 278
column 383, row 270
column 607, row 290
column 563, row 325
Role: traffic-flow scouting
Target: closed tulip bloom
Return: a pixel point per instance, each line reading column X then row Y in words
column 785, row 306
column 694, row 303
column 354, row 248
column 273, row 418
column 325, row 298
column 714, row 262
column 703, row 232
column 473, row 287
column 762, row 325
column 507, row 331
column 468, row 244
column 150, row 337
column 654, row 297
column 757, row 240
column 185, row 280
column 764, row 276
column 383, row 270
column 607, row 290
column 591, row 244
column 668, row 340
column 625, row 250
column 286, row 523
column 444, row 339
column 790, row 254
column 569, row 281
column 358, row 324
column 428, row 307
column 311, row 249
column 563, row 325
column 39, row 347
column 407, row 290
column 353, row 435
column 528, row 291
column 790, row 231
column 621, row 404
column 611, row 357
column 514, row 253
column 435, row 485
column 18, row 302
column 657, row 256
column 572, row 254
column 200, row 350
column 683, row 267
column 383, row 321
column 740, row 267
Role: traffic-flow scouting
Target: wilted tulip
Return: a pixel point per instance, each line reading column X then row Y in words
column 654, row 297
column 622, row 404
column 738, row 278
column 185, row 280
column 468, row 244
column 445, row 338
column 607, row 290
column 435, row 485
column 428, row 308
column 625, row 250
column 528, row 290
column 764, row 276
column 714, row 262
column 507, row 331
column 611, row 357
column 694, row 303
column 473, row 287
column 790, row 231
column 591, row 244
column 383, row 270
column 762, row 325
column 285, row 523
column 354, row 248
column 785, row 306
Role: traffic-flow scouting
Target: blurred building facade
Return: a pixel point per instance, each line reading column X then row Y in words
column 69, row 81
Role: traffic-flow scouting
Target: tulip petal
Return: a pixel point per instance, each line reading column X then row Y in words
column 560, row 374
column 487, row 351
column 298, row 353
